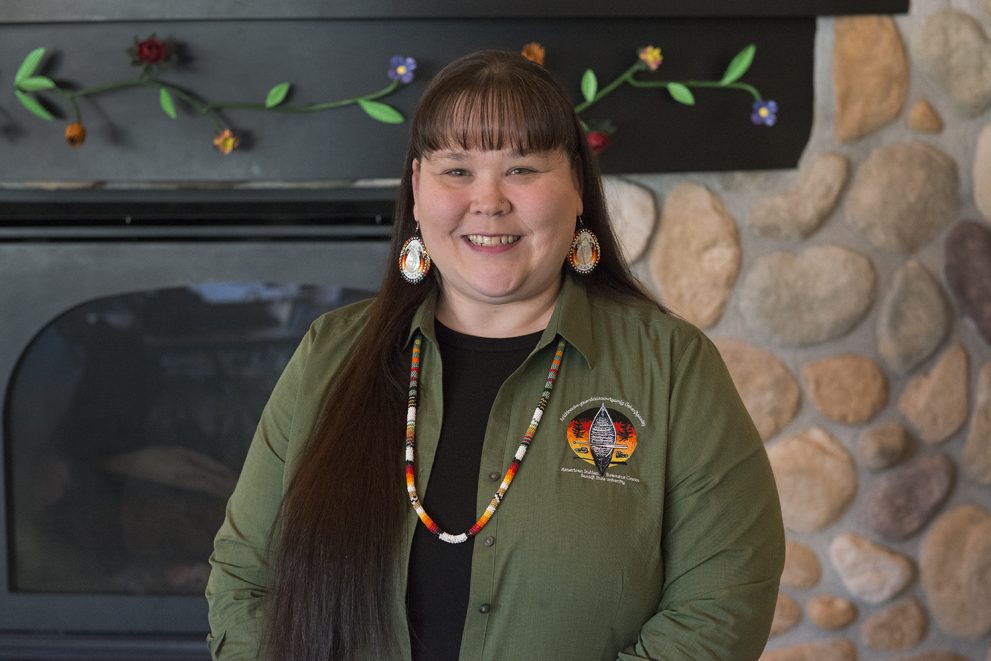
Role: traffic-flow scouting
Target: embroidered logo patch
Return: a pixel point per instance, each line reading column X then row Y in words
column 603, row 437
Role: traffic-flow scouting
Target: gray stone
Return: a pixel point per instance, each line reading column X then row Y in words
column 882, row 446
column 696, row 257
column 848, row 388
column 798, row 212
column 868, row 570
column 802, row 569
column 899, row 627
column 633, row 213
column 903, row 195
column 903, row 500
column 787, row 613
column 816, row 296
column 952, row 49
column 830, row 612
column 922, row 117
column 968, row 272
column 816, row 479
column 982, row 172
column 870, row 74
column 977, row 447
column 936, row 402
column 768, row 389
column 913, row 319
column 955, row 565
column 837, row 649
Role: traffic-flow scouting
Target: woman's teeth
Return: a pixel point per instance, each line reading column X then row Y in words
column 481, row 240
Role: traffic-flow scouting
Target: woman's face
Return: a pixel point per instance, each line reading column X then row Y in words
column 497, row 224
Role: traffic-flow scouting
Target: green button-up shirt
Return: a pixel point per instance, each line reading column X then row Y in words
column 669, row 548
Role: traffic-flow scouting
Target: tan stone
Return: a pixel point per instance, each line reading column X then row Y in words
column 869, row 571
column 768, row 389
column 882, row 446
column 952, row 49
column 838, row 649
column 955, row 566
column 830, row 612
column 696, row 256
column 935, row 656
column 870, row 74
column 936, row 403
column 816, row 479
column 799, row 211
column 847, row 388
column 633, row 214
column 787, row 613
column 922, row 117
column 977, row 447
column 982, row 172
column 802, row 569
column 898, row 627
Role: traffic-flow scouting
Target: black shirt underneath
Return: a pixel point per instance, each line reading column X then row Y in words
column 440, row 573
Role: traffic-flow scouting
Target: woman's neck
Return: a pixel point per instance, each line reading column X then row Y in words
column 482, row 319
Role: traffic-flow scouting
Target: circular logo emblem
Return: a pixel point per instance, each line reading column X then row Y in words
column 603, row 437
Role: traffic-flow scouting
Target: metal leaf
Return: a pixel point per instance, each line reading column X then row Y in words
column 381, row 112
column 32, row 104
column 29, row 64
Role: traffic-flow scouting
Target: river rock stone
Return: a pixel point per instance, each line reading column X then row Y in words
column 768, row 389
column 869, row 571
column 882, row 446
column 802, row 569
column 903, row 195
column 799, row 212
column 936, row 403
column 696, row 256
column 633, row 213
column 913, row 319
column 830, row 612
column 982, row 172
column 952, row 49
column 955, row 565
column 935, row 656
column 816, row 479
column 870, row 74
column 787, row 613
column 847, row 388
column 977, row 447
column 968, row 272
column 898, row 627
column 902, row 500
column 922, row 117
column 818, row 295
column 837, row 649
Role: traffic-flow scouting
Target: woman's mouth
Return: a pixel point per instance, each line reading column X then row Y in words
column 498, row 240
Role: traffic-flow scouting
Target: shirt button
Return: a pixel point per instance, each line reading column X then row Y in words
column 484, row 608
column 494, row 476
column 489, row 541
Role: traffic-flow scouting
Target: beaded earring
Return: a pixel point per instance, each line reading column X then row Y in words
column 584, row 254
column 414, row 262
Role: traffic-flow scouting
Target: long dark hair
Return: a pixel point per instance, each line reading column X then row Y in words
column 336, row 546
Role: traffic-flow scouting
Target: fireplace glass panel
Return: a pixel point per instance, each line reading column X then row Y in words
column 128, row 418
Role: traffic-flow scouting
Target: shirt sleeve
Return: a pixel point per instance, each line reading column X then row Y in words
column 723, row 539
column 238, row 580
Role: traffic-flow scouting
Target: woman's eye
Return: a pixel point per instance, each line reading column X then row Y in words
column 521, row 170
column 456, row 172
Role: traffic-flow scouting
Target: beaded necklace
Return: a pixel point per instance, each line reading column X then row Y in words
column 414, row 372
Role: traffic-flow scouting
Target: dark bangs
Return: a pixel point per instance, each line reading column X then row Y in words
column 496, row 107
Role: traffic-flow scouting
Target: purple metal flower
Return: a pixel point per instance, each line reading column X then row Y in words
column 401, row 68
column 765, row 112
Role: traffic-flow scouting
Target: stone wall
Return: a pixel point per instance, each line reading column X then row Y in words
column 852, row 302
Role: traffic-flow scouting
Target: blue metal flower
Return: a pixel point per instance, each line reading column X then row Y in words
column 401, row 68
column 765, row 112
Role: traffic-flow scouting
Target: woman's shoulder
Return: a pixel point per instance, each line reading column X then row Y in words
column 345, row 319
column 644, row 316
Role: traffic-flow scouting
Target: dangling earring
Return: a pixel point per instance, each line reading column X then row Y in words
column 585, row 252
column 414, row 262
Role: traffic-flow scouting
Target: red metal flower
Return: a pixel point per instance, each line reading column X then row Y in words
column 598, row 141
column 150, row 51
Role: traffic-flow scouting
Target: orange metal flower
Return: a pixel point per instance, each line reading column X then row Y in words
column 651, row 56
column 75, row 134
column 225, row 142
column 533, row 52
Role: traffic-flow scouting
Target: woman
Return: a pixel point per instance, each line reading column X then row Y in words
column 642, row 521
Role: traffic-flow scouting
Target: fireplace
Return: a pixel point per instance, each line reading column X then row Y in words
column 141, row 336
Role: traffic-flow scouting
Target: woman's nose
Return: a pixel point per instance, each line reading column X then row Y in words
column 489, row 199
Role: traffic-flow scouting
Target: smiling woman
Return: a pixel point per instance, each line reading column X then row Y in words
column 645, row 521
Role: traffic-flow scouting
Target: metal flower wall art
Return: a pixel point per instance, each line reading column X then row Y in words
column 152, row 55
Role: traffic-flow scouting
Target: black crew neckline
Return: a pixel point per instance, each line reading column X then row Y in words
column 450, row 337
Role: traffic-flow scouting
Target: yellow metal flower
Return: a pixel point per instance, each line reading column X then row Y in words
column 533, row 52
column 651, row 56
column 225, row 142
column 75, row 134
